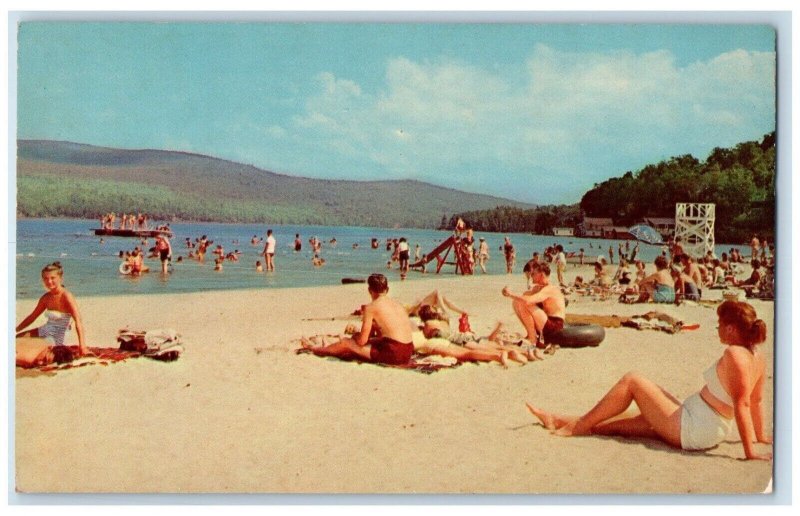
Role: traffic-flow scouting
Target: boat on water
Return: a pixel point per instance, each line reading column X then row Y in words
column 136, row 233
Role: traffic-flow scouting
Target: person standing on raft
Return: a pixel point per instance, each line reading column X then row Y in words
column 542, row 309
column 393, row 345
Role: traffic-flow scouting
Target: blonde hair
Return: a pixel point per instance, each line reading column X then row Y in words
column 53, row 267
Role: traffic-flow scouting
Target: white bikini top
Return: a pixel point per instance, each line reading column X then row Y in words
column 715, row 386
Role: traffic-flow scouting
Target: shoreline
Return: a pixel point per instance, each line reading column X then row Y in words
column 240, row 412
column 376, row 228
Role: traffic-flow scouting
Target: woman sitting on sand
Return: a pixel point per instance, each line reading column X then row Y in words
column 659, row 286
column 732, row 395
column 61, row 309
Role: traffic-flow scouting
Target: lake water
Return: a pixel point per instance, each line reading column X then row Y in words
column 91, row 266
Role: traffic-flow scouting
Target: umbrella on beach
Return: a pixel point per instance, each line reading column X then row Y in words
column 646, row 234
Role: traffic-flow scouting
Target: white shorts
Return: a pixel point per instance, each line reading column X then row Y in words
column 701, row 426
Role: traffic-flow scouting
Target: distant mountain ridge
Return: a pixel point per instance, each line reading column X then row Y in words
column 65, row 179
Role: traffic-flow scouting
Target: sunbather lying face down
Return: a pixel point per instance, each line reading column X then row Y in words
column 35, row 352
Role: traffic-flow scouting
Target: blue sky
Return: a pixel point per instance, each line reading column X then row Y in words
column 536, row 113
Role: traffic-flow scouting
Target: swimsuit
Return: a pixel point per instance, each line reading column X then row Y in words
column 664, row 294
column 715, row 386
column 691, row 292
column 56, row 326
column 702, row 427
column 553, row 324
column 389, row 351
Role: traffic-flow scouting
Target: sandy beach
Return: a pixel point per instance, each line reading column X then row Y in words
column 241, row 412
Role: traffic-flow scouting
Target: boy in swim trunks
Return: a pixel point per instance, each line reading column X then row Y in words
column 394, row 344
column 542, row 309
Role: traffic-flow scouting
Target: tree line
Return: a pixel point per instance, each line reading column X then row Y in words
column 739, row 180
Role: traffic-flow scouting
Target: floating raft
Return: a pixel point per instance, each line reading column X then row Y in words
column 143, row 233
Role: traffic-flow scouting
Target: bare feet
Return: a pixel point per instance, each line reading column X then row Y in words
column 533, row 354
column 504, row 359
column 307, row 344
column 545, row 418
column 557, row 424
column 517, row 356
column 566, row 430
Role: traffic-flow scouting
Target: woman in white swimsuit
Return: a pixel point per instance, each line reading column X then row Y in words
column 732, row 396
column 61, row 309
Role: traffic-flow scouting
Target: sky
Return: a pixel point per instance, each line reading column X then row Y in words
column 536, row 113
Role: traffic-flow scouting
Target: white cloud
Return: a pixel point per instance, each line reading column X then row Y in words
column 579, row 118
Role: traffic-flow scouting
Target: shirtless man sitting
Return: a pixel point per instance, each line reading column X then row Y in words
column 392, row 346
column 542, row 309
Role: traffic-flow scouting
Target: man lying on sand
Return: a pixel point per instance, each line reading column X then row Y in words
column 542, row 309
column 393, row 343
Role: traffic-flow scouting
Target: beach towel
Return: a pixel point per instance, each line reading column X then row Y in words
column 652, row 320
column 420, row 363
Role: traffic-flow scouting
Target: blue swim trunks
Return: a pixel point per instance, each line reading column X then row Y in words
column 664, row 294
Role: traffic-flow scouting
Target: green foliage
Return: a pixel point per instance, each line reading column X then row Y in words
column 58, row 179
column 508, row 219
column 740, row 181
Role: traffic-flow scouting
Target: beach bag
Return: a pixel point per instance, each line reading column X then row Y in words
column 164, row 345
column 131, row 341
column 161, row 344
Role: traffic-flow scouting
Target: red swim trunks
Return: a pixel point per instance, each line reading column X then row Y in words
column 552, row 325
column 389, row 351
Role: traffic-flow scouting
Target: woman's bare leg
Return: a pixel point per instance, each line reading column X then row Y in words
column 658, row 410
column 636, row 426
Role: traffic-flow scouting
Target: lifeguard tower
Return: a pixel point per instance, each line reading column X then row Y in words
column 694, row 224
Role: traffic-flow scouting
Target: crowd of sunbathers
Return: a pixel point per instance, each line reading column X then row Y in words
column 681, row 278
column 387, row 334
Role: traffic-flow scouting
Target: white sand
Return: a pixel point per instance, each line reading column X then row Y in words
column 240, row 412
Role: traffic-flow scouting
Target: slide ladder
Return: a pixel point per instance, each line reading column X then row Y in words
column 440, row 254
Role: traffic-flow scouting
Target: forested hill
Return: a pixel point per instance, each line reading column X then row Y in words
column 739, row 180
column 62, row 179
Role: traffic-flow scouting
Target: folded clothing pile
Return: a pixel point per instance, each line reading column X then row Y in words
column 159, row 344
